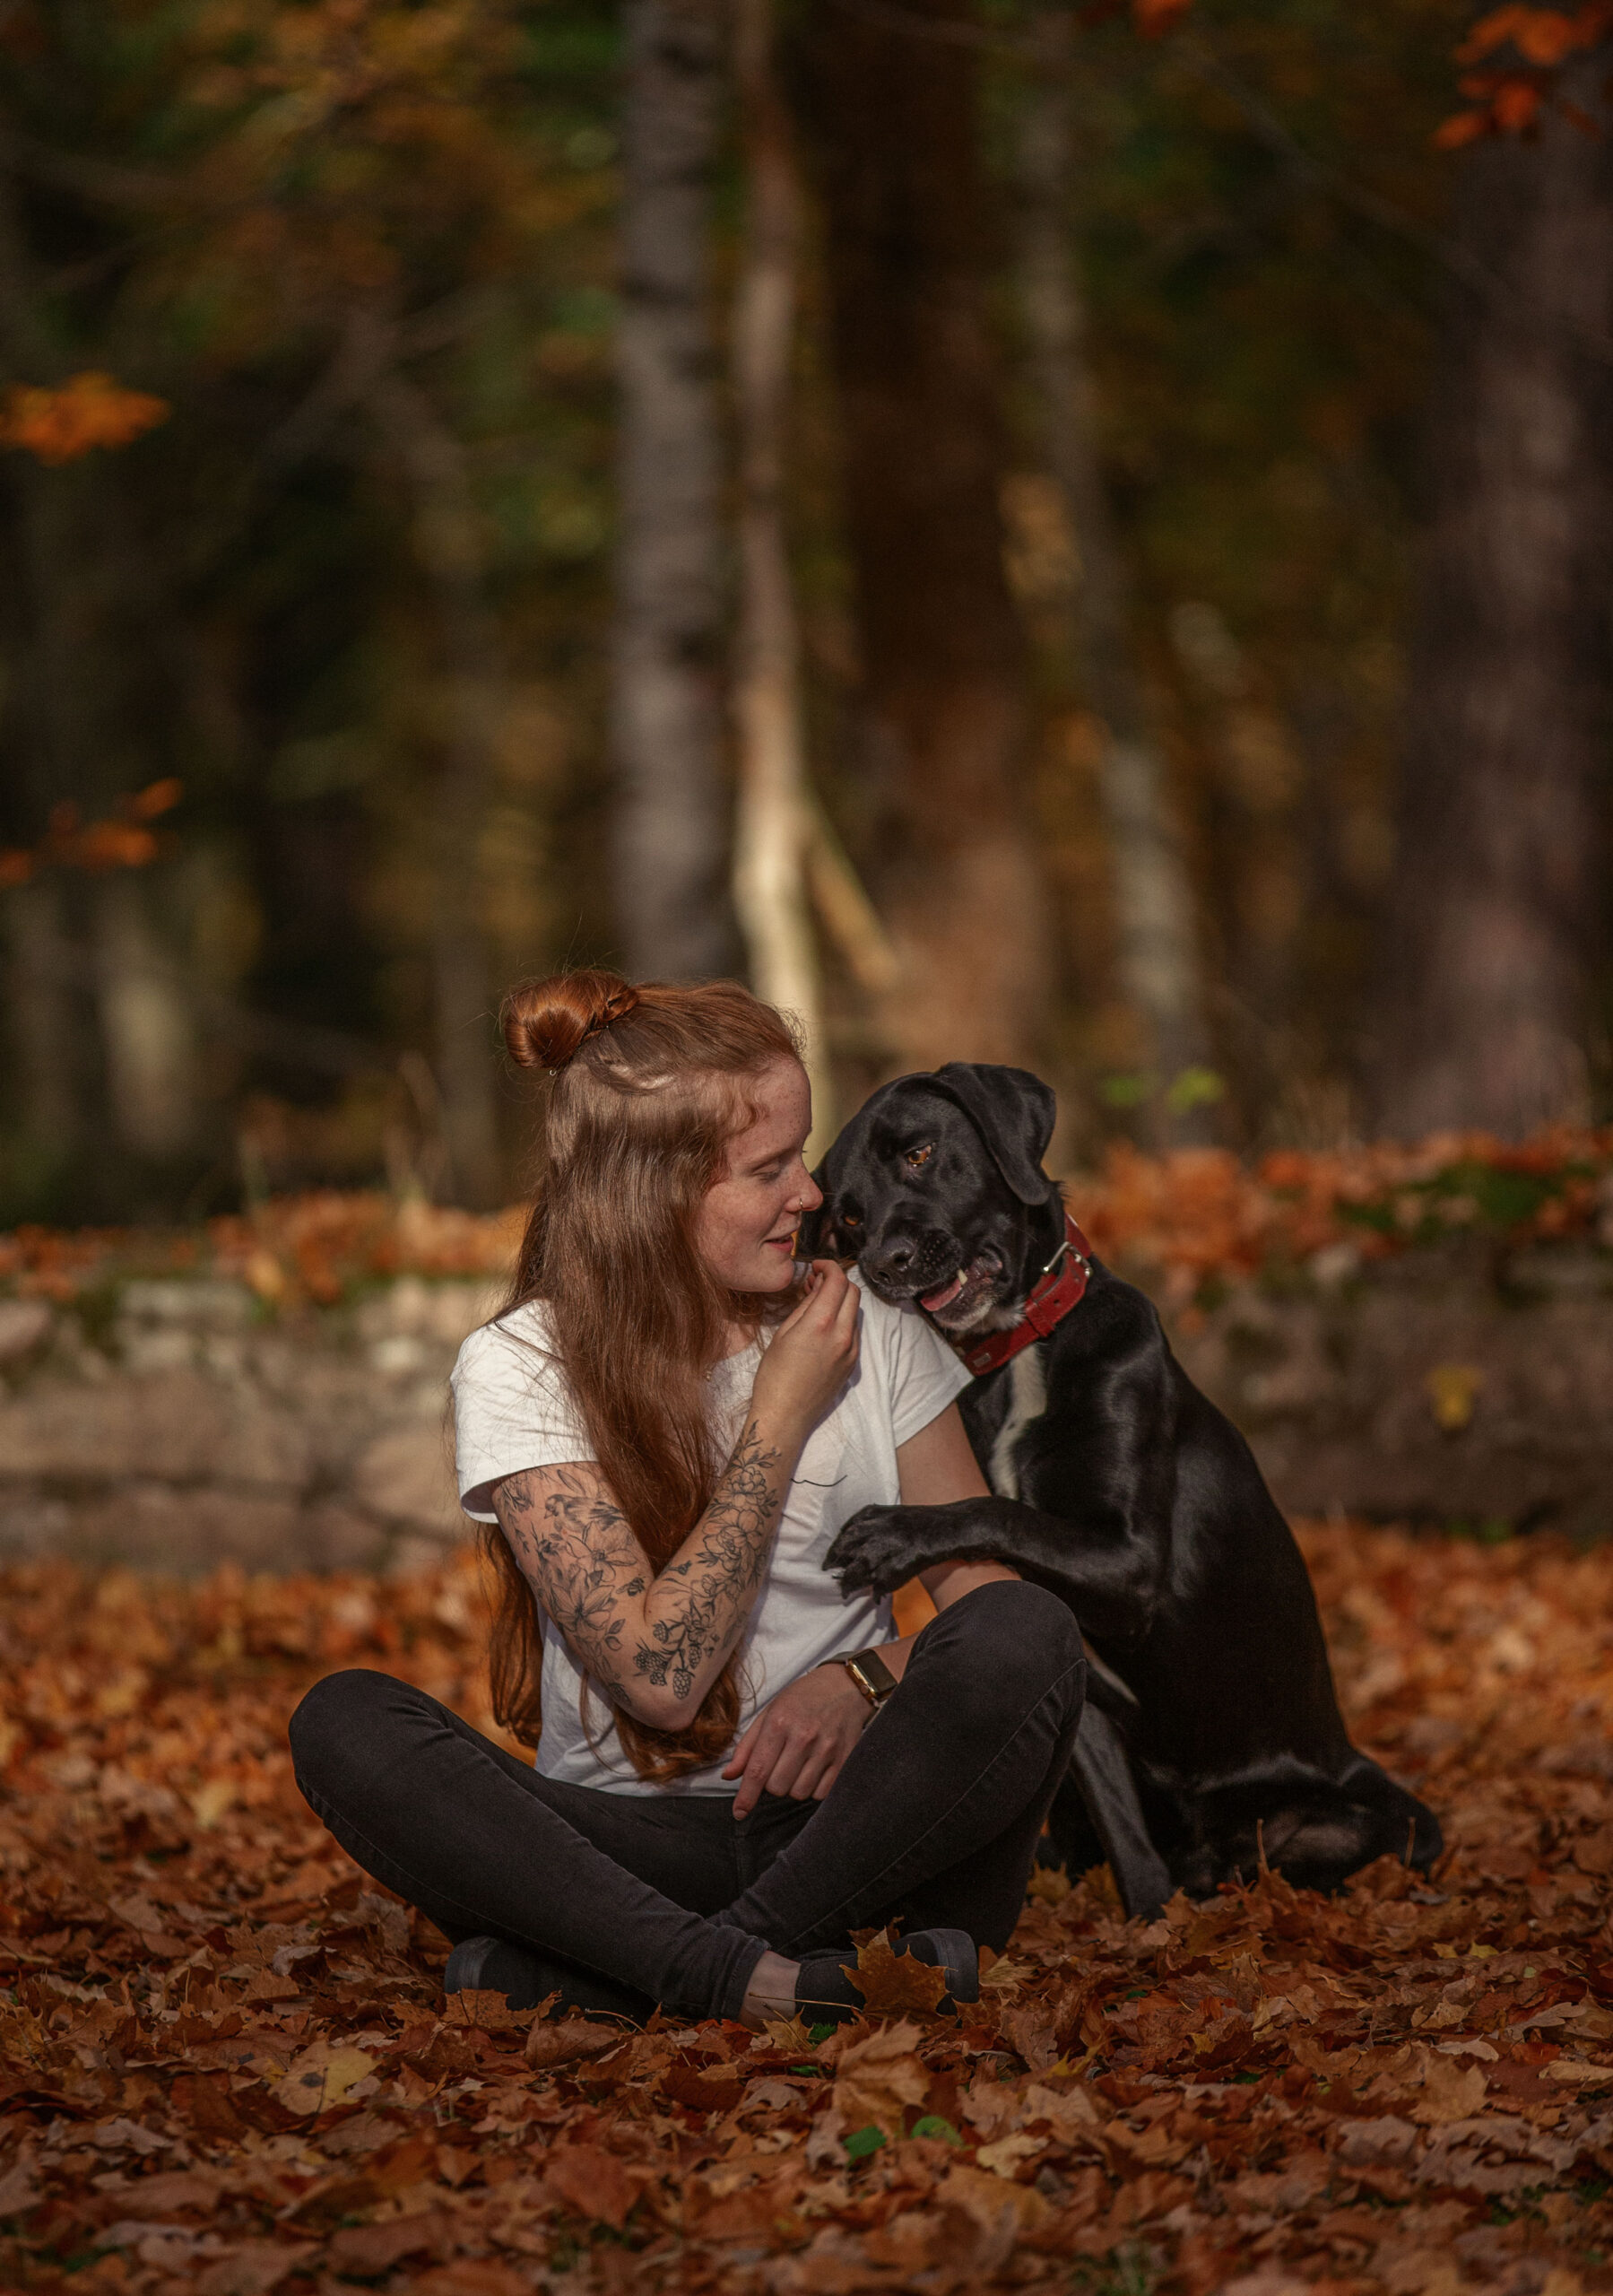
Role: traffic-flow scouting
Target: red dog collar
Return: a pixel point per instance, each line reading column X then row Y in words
column 1062, row 1285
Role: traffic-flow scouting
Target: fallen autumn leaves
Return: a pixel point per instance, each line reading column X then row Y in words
column 226, row 2065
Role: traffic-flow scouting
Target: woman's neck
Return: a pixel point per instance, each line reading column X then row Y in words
column 736, row 1338
column 747, row 1319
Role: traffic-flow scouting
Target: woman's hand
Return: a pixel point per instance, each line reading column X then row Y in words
column 811, row 1354
column 797, row 1744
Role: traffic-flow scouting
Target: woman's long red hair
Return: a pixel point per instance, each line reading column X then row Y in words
column 648, row 1090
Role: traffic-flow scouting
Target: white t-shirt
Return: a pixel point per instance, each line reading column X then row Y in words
column 513, row 1411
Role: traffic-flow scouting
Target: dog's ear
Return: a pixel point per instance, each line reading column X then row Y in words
column 1013, row 1112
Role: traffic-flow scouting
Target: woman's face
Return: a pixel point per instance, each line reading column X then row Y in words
column 746, row 1224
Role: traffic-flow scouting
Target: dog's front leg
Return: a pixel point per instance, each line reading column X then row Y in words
column 882, row 1547
column 1108, row 1582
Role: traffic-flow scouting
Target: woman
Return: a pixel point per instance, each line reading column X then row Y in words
column 663, row 1430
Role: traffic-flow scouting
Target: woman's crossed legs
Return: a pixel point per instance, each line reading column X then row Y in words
column 932, row 1820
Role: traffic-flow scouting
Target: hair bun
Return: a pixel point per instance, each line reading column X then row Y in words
column 546, row 1022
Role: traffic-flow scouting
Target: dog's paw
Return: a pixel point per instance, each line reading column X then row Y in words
column 874, row 1551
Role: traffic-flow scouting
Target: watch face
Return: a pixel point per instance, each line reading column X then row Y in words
column 872, row 1674
column 878, row 1672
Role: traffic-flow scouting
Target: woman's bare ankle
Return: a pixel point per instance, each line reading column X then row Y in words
column 771, row 1992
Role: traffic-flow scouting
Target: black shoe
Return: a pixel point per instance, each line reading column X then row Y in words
column 825, row 1995
column 489, row 1965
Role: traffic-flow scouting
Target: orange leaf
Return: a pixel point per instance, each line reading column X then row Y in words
column 1515, row 106
column 113, row 845
column 157, row 797
column 876, row 2079
column 490, row 2011
column 367, row 2250
column 471, row 2276
column 1451, row 2090
column 991, row 2201
column 891, row 1983
column 569, row 2040
column 1155, row 17
column 89, row 411
column 1542, row 36
column 593, row 2184
column 1545, row 36
column 253, row 2268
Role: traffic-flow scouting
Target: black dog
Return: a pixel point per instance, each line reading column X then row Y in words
column 1212, row 1736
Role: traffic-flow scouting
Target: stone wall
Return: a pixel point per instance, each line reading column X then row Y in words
column 172, row 1424
column 1464, row 1386
column 175, row 1426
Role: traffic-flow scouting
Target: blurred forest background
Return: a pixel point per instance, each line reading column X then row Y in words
column 1079, row 536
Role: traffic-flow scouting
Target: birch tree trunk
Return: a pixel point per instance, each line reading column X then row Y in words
column 895, row 122
column 150, row 1037
column 447, row 543
column 1494, row 909
column 1155, row 911
column 666, row 720
column 772, row 822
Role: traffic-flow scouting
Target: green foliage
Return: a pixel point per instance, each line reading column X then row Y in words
column 1497, row 1196
column 862, row 2143
column 1194, row 1088
column 1127, row 1090
column 1506, row 1198
column 935, row 2125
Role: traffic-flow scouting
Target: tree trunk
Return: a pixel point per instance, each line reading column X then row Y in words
column 1159, row 955
column 771, row 825
column 447, row 543
column 147, row 1026
column 666, row 722
column 1481, row 1016
column 894, row 124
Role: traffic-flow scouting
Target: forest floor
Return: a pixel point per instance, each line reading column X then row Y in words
column 226, row 2065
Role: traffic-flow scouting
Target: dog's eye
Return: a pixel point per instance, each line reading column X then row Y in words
column 851, row 1219
column 918, row 1157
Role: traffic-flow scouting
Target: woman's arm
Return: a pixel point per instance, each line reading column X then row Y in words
column 934, row 1468
column 656, row 1644
column 798, row 1742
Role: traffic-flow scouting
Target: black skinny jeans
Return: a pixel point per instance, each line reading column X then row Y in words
column 933, row 1820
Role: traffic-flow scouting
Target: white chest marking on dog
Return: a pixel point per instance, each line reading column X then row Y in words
column 1028, row 1401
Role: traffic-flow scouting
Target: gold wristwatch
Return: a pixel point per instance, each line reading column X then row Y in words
column 872, row 1676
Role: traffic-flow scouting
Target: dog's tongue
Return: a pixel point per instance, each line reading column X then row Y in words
column 945, row 1296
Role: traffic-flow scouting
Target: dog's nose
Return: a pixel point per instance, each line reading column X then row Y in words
column 893, row 1260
